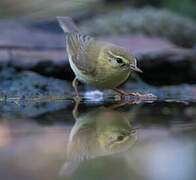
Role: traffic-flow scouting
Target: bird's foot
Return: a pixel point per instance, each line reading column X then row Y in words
column 77, row 98
column 148, row 96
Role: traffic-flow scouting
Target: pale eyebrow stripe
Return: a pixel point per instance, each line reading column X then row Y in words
column 114, row 56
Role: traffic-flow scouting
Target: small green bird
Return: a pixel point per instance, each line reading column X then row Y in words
column 95, row 62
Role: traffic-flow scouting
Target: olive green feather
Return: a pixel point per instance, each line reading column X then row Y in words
column 77, row 45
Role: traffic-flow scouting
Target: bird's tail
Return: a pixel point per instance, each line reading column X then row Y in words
column 67, row 24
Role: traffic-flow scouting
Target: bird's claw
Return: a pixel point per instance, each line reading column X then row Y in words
column 148, row 96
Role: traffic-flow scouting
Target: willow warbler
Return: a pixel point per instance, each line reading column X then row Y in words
column 95, row 62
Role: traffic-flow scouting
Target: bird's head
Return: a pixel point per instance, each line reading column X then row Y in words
column 120, row 58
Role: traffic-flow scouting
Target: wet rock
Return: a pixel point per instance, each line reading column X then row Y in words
column 27, row 37
column 184, row 92
column 29, row 84
column 168, row 66
column 51, row 108
column 138, row 44
column 27, row 94
column 29, row 48
column 46, row 62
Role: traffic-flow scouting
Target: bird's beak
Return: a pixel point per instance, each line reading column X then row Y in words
column 135, row 68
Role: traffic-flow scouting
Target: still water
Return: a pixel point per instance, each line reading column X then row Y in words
column 137, row 140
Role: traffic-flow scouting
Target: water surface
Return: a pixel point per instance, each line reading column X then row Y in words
column 100, row 140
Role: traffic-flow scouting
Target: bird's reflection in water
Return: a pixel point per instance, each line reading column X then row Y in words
column 98, row 133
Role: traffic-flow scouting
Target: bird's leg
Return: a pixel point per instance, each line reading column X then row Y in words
column 75, row 86
column 120, row 92
column 75, row 110
column 125, row 93
column 148, row 96
column 137, row 95
column 77, row 99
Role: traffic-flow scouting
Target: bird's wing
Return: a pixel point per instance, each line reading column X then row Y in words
column 78, row 47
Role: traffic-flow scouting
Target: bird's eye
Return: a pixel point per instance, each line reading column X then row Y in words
column 119, row 60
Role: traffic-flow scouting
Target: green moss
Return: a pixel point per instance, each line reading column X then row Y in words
column 185, row 7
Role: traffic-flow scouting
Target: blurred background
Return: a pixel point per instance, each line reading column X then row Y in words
column 46, row 8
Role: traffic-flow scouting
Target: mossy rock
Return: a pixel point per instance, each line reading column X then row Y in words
column 28, row 94
column 30, row 84
column 149, row 21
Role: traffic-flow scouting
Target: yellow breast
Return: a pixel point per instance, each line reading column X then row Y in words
column 105, row 76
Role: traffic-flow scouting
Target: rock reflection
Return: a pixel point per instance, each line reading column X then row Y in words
column 98, row 133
